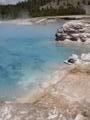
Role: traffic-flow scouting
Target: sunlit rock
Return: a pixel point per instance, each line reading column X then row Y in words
column 80, row 117
column 85, row 57
column 74, row 27
column 73, row 31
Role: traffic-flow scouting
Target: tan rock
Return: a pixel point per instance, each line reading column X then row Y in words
column 80, row 117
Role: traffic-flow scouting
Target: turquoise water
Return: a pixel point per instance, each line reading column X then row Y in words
column 27, row 54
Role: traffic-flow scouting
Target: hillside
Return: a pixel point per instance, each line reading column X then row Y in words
column 35, row 8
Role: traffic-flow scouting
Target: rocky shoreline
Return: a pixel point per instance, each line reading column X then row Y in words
column 67, row 98
column 44, row 20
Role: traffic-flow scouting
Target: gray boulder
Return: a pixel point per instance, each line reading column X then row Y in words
column 74, row 31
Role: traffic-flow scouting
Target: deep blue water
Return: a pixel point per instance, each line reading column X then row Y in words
column 27, row 54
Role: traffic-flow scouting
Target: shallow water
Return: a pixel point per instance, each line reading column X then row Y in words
column 27, row 55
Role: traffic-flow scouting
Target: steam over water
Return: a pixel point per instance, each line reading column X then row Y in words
column 28, row 54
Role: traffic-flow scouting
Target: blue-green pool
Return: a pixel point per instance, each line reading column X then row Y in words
column 27, row 54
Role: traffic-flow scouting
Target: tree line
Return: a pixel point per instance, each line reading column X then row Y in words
column 33, row 8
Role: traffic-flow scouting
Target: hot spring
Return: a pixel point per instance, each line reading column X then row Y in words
column 28, row 54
